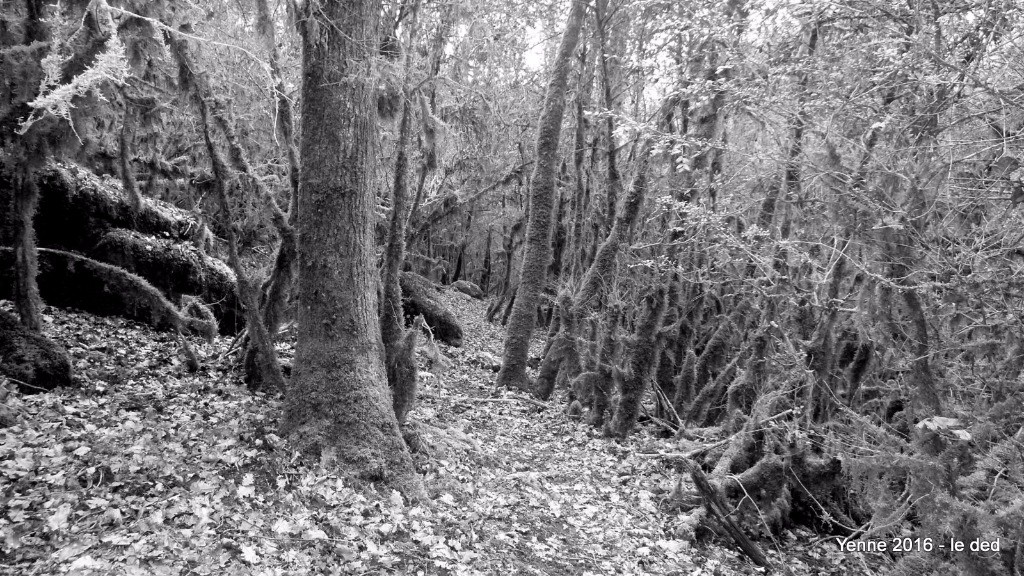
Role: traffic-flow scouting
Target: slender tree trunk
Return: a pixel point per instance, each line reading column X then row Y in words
column 262, row 369
column 399, row 359
column 485, row 274
column 792, row 181
column 399, row 344
column 427, row 107
column 538, row 234
column 125, row 138
column 275, row 289
column 571, row 263
column 614, row 179
column 603, row 266
column 26, row 195
column 26, row 260
column 338, row 407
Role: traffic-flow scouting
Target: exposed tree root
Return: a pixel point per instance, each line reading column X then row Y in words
column 72, row 281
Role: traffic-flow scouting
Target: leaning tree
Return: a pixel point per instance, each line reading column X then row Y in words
column 533, row 272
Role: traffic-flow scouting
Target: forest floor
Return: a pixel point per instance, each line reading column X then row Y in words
column 148, row 469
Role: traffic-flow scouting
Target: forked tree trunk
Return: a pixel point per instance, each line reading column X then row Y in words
column 338, row 407
column 542, row 190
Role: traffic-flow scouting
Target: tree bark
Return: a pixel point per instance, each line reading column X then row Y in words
column 643, row 362
column 338, row 407
column 26, row 260
column 399, row 344
column 275, row 288
column 542, row 190
column 577, row 206
column 614, row 178
column 602, row 269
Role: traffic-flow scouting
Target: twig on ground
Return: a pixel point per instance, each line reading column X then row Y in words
column 537, row 403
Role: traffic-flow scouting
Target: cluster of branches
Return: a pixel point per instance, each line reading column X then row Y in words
column 835, row 258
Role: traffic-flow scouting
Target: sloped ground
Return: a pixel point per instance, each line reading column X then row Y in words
column 150, row 470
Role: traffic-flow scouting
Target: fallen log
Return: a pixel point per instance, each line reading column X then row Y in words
column 34, row 363
column 68, row 280
column 420, row 297
column 175, row 269
column 719, row 511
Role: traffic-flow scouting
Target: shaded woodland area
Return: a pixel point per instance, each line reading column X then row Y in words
column 771, row 249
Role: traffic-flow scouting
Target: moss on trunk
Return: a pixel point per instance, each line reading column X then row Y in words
column 338, row 408
column 533, row 273
column 642, row 364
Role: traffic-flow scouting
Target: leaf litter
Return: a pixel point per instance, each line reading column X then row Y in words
column 148, row 469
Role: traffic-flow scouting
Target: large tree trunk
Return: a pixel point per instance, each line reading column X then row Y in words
column 542, row 188
column 338, row 407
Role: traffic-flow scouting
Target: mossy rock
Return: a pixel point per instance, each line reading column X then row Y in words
column 33, row 362
column 76, row 207
column 468, row 288
column 175, row 268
